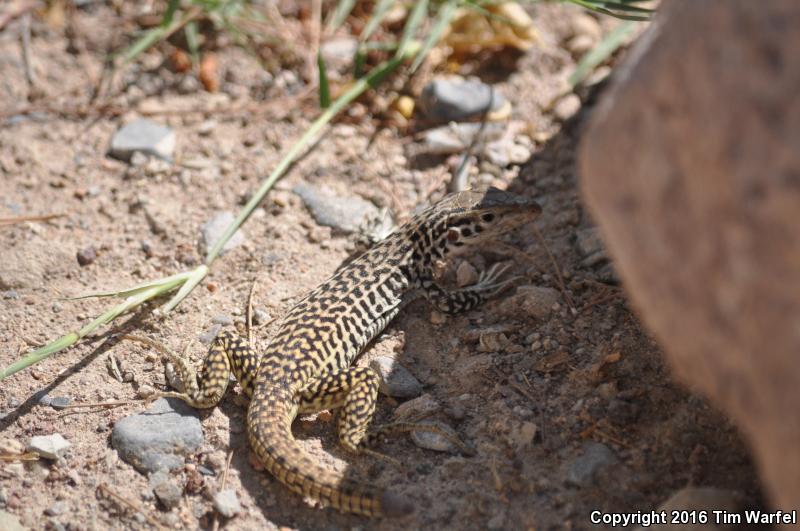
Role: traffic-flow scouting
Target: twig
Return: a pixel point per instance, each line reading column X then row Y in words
column 557, row 270
column 215, row 526
column 113, row 403
column 250, row 311
column 22, row 219
column 27, row 456
column 25, row 43
column 459, row 181
column 132, row 505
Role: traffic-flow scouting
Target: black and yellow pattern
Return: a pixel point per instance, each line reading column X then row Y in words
column 307, row 366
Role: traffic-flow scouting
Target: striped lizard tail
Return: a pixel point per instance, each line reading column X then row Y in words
column 269, row 418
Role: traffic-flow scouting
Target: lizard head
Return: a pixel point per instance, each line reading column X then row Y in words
column 477, row 216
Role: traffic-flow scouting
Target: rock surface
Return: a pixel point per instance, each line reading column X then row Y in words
column 49, row 446
column 213, row 229
column 227, row 503
column 143, row 136
column 596, row 457
column 445, row 100
column 159, row 437
column 396, row 380
column 696, row 187
column 340, row 213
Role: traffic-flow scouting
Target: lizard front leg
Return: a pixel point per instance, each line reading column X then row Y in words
column 462, row 300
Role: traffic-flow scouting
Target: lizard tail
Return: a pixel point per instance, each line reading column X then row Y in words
column 269, row 418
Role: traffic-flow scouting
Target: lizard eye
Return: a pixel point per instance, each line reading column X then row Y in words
column 453, row 235
column 488, row 217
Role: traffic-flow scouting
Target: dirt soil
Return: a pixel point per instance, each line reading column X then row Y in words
column 528, row 393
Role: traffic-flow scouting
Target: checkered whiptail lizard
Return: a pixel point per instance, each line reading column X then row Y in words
column 307, row 366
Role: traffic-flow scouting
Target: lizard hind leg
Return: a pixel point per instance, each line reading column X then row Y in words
column 355, row 391
column 202, row 388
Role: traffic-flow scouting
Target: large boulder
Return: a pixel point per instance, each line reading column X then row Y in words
column 691, row 166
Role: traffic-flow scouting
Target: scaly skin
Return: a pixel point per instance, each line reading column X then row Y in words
column 307, row 366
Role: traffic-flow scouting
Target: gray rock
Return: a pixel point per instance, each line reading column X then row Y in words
column 213, row 229
column 159, row 437
column 534, row 301
column 143, row 136
column 168, row 493
column 260, row 316
column 227, row 503
column 344, row 214
column 584, row 470
column 208, row 336
column 222, row 319
column 420, row 407
column 455, row 99
column 58, row 508
column 60, row 402
column 43, row 399
column 49, row 446
column 435, row 441
column 9, row 522
column 455, row 138
column 396, row 381
column 590, row 247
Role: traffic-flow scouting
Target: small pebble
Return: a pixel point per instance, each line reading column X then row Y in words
column 396, row 380
column 227, row 503
column 420, row 407
column 456, row 99
column 59, row 507
column 214, row 228
column 260, row 316
column 222, row 320
column 60, row 402
column 49, row 446
column 168, row 493
column 567, row 107
column 434, row 441
column 87, row 256
column 11, row 446
column 143, row 136
column 207, row 337
column 466, row 274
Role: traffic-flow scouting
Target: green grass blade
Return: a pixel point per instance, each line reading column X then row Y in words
column 373, row 78
column 343, row 8
column 193, row 280
column 375, row 20
column 443, row 18
column 193, row 42
column 602, row 51
column 73, row 337
column 324, row 87
column 413, row 22
column 172, row 281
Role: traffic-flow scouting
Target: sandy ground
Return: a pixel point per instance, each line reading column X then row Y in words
column 592, row 375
